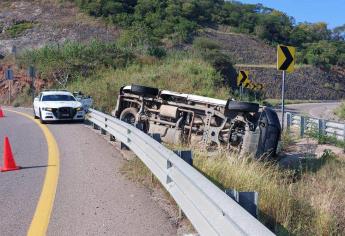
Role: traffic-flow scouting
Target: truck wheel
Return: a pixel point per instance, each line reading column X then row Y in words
column 242, row 106
column 143, row 90
column 128, row 115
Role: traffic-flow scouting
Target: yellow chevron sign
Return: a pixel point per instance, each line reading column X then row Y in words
column 259, row 87
column 286, row 58
column 242, row 77
column 247, row 83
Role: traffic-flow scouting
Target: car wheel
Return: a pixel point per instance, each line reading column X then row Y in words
column 36, row 117
column 242, row 106
column 41, row 120
column 143, row 90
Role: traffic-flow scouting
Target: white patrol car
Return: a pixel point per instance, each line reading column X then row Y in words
column 57, row 105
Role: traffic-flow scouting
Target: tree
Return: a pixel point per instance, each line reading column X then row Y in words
column 339, row 33
column 321, row 54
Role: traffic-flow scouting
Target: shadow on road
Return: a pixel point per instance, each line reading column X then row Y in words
column 33, row 167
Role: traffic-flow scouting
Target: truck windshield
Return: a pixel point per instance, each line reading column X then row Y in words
column 57, row 97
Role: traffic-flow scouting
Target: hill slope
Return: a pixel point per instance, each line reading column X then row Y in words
column 250, row 53
column 32, row 24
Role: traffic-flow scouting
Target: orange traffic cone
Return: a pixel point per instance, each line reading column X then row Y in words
column 1, row 113
column 9, row 163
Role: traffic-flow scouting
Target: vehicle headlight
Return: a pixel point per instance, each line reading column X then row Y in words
column 47, row 109
column 80, row 108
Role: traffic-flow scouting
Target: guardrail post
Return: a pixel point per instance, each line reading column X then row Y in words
column 123, row 146
column 103, row 131
column 112, row 138
column 322, row 127
column 302, row 126
column 288, row 120
column 187, row 156
column 247, row 200
column 95, row 126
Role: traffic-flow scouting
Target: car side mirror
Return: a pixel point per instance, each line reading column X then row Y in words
column 36, row 99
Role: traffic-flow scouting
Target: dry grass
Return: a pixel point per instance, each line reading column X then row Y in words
column 340, row 111
column 177, row 74
column 310, row 203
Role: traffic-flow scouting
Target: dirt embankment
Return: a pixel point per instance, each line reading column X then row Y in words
column 31, row 24
column 48, row 22
column 20, row 82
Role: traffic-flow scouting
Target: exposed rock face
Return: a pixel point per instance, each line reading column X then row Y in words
column 52, row 24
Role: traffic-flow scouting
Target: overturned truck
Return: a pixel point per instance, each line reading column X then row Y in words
column 241, row 127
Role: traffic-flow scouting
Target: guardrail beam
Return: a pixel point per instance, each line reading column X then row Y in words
column 208, row 208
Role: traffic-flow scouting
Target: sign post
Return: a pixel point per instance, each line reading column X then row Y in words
column 241, row 79
column 32, row 75
column 9, row 77
column 285, row 62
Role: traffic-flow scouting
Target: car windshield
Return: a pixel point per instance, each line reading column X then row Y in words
column 57, row 97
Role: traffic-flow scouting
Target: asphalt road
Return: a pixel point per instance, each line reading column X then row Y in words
column 20, row 190
column 92, row 197
column 317, row 110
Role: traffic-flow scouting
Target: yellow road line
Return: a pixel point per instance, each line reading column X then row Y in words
column 40, row 221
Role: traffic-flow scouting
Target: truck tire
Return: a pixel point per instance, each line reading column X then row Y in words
column 143, row 90
column 128, row 115
column 242, row 106
column 270, row 131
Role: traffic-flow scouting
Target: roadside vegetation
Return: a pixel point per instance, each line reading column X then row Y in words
column 101, row 69
column 16, row 30
column 340, row 111
column 326, row 139
column 176, row 22
column 305, row 201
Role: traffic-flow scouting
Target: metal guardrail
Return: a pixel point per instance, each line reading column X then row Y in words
column 308, row 124
column 209, row 209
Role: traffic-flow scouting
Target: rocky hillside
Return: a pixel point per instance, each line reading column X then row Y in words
column 259, row 58
column 33, row 24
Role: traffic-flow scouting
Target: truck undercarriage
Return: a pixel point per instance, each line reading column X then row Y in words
column 240, row 127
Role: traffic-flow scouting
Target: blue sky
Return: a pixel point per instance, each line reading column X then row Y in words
column 330, row 11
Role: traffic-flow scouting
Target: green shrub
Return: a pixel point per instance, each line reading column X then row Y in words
column 205, row 44
column 18, row 29
column 340, row 111
column 72, row 59
column 179, row 20
column 177, row 72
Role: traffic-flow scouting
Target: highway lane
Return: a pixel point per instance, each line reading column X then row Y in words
column 20, row 190
column 317, row 110
column 93, row 197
